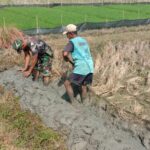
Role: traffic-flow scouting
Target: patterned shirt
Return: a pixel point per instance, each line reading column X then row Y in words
column 38, row 46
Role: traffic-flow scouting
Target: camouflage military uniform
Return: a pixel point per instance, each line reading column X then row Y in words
column 45, row 56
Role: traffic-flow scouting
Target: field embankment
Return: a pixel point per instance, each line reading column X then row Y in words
column 121, row 72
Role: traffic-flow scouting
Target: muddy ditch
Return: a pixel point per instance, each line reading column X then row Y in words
column 92, row 126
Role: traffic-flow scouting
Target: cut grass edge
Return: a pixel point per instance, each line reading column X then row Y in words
column 23, row 130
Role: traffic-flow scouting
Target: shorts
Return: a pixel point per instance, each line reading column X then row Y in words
column 44, row 65
column 79, row 80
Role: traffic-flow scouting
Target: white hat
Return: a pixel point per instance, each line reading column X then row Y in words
column 70, row 28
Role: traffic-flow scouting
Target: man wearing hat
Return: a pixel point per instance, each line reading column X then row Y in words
column 38, row 58
column 81, row 60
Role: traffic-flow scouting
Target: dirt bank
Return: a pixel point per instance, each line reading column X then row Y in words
column 87, row 127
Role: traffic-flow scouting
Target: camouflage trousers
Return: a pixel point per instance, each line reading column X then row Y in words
column 44, row 65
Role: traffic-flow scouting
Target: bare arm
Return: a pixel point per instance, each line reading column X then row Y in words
column 27, row 61
column 33, row 63
column 68, row 57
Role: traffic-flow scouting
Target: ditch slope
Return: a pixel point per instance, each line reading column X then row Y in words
column 86, row 127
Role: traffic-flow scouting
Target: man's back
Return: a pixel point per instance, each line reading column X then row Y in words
column 82, row 56
column 39, row 47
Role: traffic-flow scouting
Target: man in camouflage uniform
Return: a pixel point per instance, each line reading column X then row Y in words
column 38, row 58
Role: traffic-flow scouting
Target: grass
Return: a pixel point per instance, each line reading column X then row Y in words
column 23, row 130
column 67, row 1
column 25, row 17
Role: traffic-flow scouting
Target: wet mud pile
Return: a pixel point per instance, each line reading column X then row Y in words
column 86, row 126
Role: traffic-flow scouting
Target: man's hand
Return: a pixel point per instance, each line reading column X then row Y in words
column 68, row 58
column 22, row 69
column 27, row 73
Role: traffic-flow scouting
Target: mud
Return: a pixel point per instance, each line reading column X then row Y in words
column 87, row 127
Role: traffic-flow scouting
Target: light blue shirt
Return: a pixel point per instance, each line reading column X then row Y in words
column 82, row 57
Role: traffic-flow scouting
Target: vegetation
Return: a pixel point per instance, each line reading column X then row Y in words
column 22, row 130
column 68, row 1
column 31, row 17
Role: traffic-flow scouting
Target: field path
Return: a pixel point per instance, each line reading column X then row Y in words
column 85, row 128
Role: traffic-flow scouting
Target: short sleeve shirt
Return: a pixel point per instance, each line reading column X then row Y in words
column 69, row 47
column 37, row 46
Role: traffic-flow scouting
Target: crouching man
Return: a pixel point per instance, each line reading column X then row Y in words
column 37, row 58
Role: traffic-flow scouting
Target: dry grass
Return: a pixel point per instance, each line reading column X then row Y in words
column 122, row 69
column 8, row 35
column 8, row 57
column 22, row 130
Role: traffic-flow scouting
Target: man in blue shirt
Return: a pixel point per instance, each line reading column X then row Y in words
column 77, row 52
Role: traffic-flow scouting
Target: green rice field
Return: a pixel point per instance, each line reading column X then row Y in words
column 44, row 17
